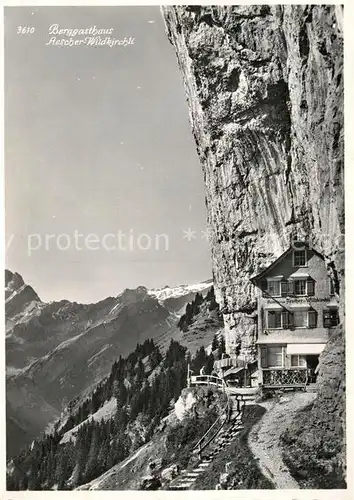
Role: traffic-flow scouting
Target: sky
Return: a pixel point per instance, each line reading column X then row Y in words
column 103, row 186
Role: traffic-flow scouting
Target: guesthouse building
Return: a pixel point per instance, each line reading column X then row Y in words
column 297, row 310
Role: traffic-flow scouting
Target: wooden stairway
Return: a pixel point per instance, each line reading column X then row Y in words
column 227, row 434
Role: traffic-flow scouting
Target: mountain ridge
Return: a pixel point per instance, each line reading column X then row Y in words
column 59, row 350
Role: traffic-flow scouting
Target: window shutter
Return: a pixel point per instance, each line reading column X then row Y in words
column 264, row 286
column 285, row 319
column 312, row 319
column 310, row 287
column 264, row 362
column 335, row 319
column 271, row 319
column 291, row 320
column 290, row 287
column 284, row 288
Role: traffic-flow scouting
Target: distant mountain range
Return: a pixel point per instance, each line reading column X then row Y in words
column 59, row 351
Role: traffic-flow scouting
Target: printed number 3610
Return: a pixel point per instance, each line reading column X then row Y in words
column 25, row 30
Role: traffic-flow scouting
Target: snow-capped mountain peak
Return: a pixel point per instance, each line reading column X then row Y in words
column 167, row 292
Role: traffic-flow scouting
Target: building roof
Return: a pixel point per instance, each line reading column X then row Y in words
column 332, row 304
column 233, row 370
column 260, row 275
column 227, row 362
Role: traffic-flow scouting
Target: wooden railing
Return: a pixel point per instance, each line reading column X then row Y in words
column 223, row 418
column 285, row 377
column 213, row 430
column 207, row 380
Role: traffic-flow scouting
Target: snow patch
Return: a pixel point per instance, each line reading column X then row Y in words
column 11, row 371
column 15, row 292
column 114, row 308
column 104, row 348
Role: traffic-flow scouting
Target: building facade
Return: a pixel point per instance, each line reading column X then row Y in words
column 297, row 309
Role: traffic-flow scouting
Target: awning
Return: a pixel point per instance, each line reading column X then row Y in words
column 305, row 348
column 226, row 362
column 233, row 371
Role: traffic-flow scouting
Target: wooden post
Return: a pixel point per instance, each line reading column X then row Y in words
column 245, row 372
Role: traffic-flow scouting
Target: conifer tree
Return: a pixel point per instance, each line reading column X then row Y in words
column 209, row 366
column 198, row 298
column 61, row 469
column 140, row 373
column 199, row 360
column 222, row 345
column 215, row 343
column 91, row 464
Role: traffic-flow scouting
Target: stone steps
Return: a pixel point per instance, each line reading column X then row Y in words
column 311, row 388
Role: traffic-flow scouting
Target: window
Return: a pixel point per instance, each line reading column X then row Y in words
column 284, row 288
column 264, row 362
column 274, row 288
column 300, row 319
column 274, row 319
column 298, row 360
column 330, row 318
column 299, row 258
column 275, row 356
column 300, row 287
column 282, row 319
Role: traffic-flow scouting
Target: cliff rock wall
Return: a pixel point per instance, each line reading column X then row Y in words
column 264, row 86
column 329, row 410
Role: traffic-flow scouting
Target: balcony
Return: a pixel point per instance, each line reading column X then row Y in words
column 284, row 377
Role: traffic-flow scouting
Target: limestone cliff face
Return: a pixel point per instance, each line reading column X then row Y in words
column 264, row 86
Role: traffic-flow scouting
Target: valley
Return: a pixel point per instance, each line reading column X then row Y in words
column 59, row 351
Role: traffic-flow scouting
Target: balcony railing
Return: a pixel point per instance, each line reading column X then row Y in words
column 282, row 377
column 206, row 380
